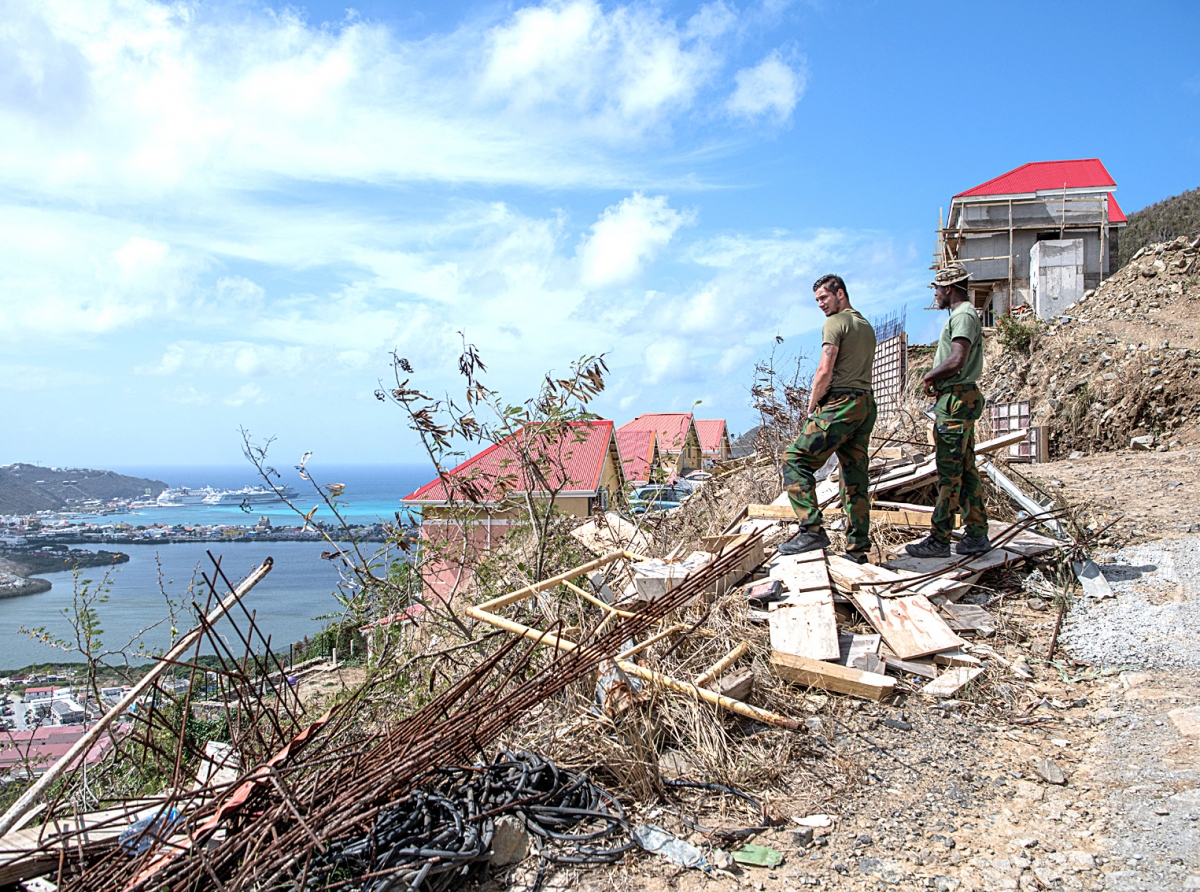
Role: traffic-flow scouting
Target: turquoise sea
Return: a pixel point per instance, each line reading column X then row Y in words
column 289, row 603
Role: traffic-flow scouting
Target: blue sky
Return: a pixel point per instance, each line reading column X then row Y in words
column 227, row 214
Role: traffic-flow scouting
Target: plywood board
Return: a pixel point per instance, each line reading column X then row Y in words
column 997, row 557
column 849, row 576
column 852, row 646
column 910, row 625
column 949, row 682
column 831, row 677
column 804, row 623
column 970, row 618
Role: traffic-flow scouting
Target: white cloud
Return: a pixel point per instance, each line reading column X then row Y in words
column 770, row 89
column 625, row 236
column 247, row 393
column 187, row 396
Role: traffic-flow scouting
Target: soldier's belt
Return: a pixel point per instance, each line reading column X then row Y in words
column 845, row 391
column 959, row 388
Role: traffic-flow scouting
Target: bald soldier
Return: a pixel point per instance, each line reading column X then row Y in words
column 841, row 415
column 957, row 365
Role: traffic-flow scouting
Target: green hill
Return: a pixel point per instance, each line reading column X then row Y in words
column 1161, row 222
column 26, row 488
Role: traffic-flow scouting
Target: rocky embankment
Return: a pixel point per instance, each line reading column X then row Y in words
column 19, row 567
column 1123, row 363
column 14, row 584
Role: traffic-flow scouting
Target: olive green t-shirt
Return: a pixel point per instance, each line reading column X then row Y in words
column 963, row 323
column 855, row 339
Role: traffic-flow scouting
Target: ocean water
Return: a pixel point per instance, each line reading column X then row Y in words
column 373, row 492
column 288, row 603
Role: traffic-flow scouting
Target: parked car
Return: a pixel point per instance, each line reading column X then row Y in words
column 657, row 497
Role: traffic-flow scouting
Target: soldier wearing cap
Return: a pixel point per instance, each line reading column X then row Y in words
column 957, row 365
column 841, row 416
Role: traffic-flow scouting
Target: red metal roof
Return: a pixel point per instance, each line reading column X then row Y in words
column 711, row 432
column 1043, row 176
column 576, row 462
column 670, row 427
column 1115, row 214
column 637, row 453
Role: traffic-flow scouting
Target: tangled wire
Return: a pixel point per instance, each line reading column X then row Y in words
column 438, row 833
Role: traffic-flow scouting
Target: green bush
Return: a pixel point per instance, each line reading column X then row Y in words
column 1017, row 336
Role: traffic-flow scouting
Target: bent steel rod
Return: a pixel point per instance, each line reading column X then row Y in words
column 84, row 743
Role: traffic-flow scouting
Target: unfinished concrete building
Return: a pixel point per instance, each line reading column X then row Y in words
column 1038, row 236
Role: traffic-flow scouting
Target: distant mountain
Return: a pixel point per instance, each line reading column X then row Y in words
column 1161, row 222
column 25, row 489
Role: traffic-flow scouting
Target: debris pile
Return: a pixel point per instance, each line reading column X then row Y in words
column 676, row 679
column 1122, row 370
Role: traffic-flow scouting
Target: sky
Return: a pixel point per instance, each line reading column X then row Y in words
column 224, row 215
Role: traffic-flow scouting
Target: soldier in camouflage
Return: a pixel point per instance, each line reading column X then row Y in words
column 841, row 416
column 957, row 365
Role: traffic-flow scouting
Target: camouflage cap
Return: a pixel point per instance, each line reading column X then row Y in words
column 953, row 274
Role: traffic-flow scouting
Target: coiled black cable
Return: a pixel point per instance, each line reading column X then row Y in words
column 444, row 828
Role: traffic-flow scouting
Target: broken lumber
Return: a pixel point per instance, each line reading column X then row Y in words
column 853, row 646
column 804, row 623
column 950, row 681
column 910, row 625
column 722, row 664
column 851, row 577
column 1034, row 509
column 736, row 686
column 970, row 618
column 831, row 677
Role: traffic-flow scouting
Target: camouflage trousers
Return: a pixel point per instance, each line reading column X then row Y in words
column 843, row 425
column 959, row 487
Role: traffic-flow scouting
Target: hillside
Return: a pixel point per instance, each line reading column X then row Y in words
column 1124, row 363
column 26, row 488
column 1161, row 222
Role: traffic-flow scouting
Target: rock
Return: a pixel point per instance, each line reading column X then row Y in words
column 1186, row 720
column 889, row 872
column 1143, row 444
column 815, row 821
column 898, row 724
column 510, row 843
column 802, row 837
column 1081, row 860
column 674, row 764
column 946, row 884
column 1162, row 448
column 1036, row 604
column 1176, row 444
column 1027, row 843
column 946, row 841
column 1048, row 771
column 1076, row 454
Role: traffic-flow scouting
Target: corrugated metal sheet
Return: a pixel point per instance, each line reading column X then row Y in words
column 1043, row 176
column 670, row 427
column 576, row 464
column 637, row 453
column 711, row 432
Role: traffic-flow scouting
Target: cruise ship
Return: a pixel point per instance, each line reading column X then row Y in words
column 180, row 496
column 250, row 495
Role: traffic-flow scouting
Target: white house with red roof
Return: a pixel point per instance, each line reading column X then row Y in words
column 474, row 504
column 678, row 442
column 1038, row 235
column 714, row 439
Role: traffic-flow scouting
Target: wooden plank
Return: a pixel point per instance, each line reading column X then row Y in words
column 949, row 682
column 957, row 658
column 927, row 470
column 804, row 623
column 831, row 677
column 851, row 646
column 896, row 518
column 920, row 668
column 801, row 572
column 910, row 625
column 997, row 557
column 736, row 686
column 851, row 577
column 970, row 618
